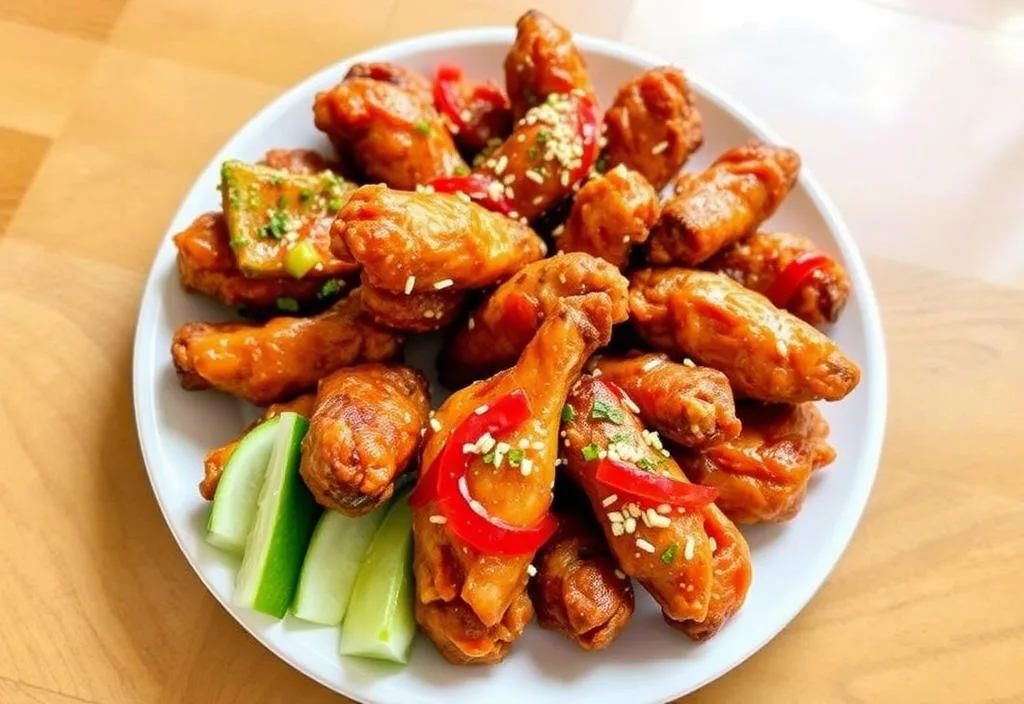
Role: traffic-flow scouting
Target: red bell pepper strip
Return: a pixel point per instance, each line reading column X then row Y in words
column 491, row 535
column 587, row 125
column 632, row 480
column 794, row 275
column 448, row 99
column 477, row 187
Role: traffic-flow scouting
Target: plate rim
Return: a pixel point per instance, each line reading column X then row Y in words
column 874, row 339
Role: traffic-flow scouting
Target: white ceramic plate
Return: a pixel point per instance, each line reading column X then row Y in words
column 650, row 662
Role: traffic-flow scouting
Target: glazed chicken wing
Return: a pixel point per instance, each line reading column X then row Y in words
column 406, row 79
column 790, row 271
column 363, row 434
column 762, row 475
column 690, row 405
column 217, row 459
column 543, row 60
column 579, row 590
column 724, row 203
column 653, row 125
column 610, row 214
column 417, row 312
column 477, row 113
column 498, row 330
column 422, row 242
column 393, row 136
column 668, row 550
column 768, row 354
column 465, row 596
column 282, row 358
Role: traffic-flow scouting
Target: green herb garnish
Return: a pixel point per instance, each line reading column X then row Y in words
column 239, row 241
column 532, row 153
column 602, row 411
column 288, row 304
column 621, row 437
column 334, row 205
column 515, row 457
column 329, row 289
column 488, row 458
column 277, row 226
column 461, row 170
column 568, row 414
column 591, row 452
column 646, row 465
column 422, row 126
column 670, row 553
column 305, row 195
column 542, row 137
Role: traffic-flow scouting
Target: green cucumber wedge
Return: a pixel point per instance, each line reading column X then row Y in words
column 285, row 516
column 379, row 623
column 332, row 564
column 234, row 504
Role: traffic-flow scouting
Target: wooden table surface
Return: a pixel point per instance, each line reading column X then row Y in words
column 910, row 112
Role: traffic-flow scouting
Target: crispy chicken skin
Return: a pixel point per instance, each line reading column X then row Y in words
column 298, row 161
column 673, row 562
column 267, row 363
column 418, row 312
column 363, row 434
column 498, row 330
column 762, row 475
column 406, row 79
column 430, row 241
column 465, row 596
column 757, row 262
column 576, row 590
column 393, row 136
column 724, row 203
column 207, row 265
column 690, row 405
column 653, row 125
column 217, row 459
column 543, row 60
column 768, row 354
column 610, row 214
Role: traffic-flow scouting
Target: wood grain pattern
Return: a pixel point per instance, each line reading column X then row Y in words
column 108, row 109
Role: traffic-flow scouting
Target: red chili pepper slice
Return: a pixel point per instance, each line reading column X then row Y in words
column 632, row 480
column 587, row 124
column 477, row 187
column 794, row 275
column 446, row 95
column 491, row 535
column 490, row 94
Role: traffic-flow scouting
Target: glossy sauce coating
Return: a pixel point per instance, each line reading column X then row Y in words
column 419, row 242
column 500, row 327
column 724, row 203
column 274, row 361
column 761, row 476
column 298, row 161
column 405, row 78
column 653, row 125
column 757, row 262
column 768, row 354
column 417, row 312
column 690, row 405
column 393, row 135
column 610, row 214
column 451, row 576
column 363, row 434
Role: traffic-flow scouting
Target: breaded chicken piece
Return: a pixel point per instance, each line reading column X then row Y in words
column 761, row 476
column 610, row 214
column 790, row 271
column 498, row 330
column 653, row 125
column 423, row 242
column 542, row 61
column 298, row 161
column 724, row 203
column 463, row 595
column 405, row 78
column 416, row 312
column 277, row 360
column 363, row 434
column 393, row 136
column 768, row 354
column 690, row 405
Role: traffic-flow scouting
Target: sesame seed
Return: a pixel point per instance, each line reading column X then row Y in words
column 659, row 147
column 480, row 410
column 781, row 348
column 628, row 402
column 680, row 509
column 558, row 230
column 564, row 178
column 619, row 573
column 617, row 529
column 409, row 283
column 428, row 314
column 531, row 570
column 538, row 446
column 537, row 200
column 509, row 192
column 486, row 443
column 601, row 454
column 509, row 178
column 470, row 448
column 521, row 138
column 615, row 516
column 664, row 509
column 524, row 443
column 688, row 550
column 502, row 447
column 435, row 425
column 650, row 512
column 423, row 431
column 652, row 363
column 499, row 168
column 645, row 519
column 561, row 278
column 438, row 520
column 644, row 545
column 634, row 510
column 630, row 525
column 609, row 500
column 694, row 429
column 534, row 176
column 659, row 521
column 495, row 190
column 714, row 545
column 689, row 363
column 596, row 373
column 566, row 442
column 463, row 196
column 471, row 324
column 526, row 467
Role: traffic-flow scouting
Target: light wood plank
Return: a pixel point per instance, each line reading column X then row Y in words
column 89, row 20
column 13, row 692
column 22, row 154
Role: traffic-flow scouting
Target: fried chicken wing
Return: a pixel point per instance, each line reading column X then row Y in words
column 393, row 135
column 790, row 271
column 690, row 405
column 498, row 330
column 724, row 203
column 420, row 242
column 668, row 550
column 761, row 476
column 217, row 458
column 768, row 354
column 464, row 596
column 543, row 60
column 207, row 265
column 279, row 359
column 303, row 162
column 363, row 434
column 579, row 590
column 653, row 125
column 417, row 312
column 406, row 79
column 610, row 214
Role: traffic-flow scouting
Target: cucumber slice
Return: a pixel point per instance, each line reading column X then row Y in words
column 234, row 504
column 332, row 565
column 379, row 623
column 285, row 516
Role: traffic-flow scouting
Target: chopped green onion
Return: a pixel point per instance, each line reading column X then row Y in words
column 334, row 205
column 461, row 170
column 422, row 126
column 305, row 195
column 277, row 226
column 591, row 452
column 488, row 458
column 602, row 411
column 670, row 553
column 289, row 305
column 329, row 289
column 300, row 259
column 515, row 457
column 568, row 414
